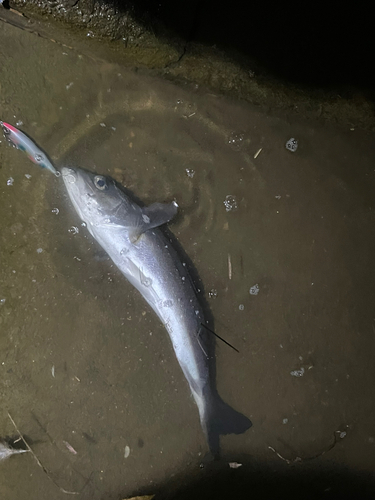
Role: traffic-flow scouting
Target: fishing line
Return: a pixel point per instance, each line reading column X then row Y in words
column 221, row 338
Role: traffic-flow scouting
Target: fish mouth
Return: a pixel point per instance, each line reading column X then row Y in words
column 69, row 175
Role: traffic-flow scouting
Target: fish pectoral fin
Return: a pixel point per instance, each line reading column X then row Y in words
column 158, row 214
column 154, row 215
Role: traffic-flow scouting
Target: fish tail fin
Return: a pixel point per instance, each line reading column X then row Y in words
column 222, row 419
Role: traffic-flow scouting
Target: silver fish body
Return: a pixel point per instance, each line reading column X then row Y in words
column 131, row 236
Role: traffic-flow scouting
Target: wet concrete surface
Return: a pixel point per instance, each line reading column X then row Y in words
column 84, row 361
column 265, row 56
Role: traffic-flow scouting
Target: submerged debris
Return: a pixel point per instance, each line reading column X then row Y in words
column 21, row 438
column 234, row 465
column 229, row 267
column 70, row 447
column 6, row 450
column 336, row 435
column 257, row 153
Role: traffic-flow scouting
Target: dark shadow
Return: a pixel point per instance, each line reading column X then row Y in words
column 256, row 480
column 304, row 44
column 17, row 443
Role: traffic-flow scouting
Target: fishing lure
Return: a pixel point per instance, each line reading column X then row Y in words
column 21, row 141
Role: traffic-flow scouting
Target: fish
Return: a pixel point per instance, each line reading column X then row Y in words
column 132, row 237
column 23, row 142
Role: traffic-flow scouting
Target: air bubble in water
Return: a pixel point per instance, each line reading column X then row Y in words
column 55, row 211
column 10, row 181
column 235, row 140
column 241, row 307
column 145, row 218
column 190, row 172
column 292, row 145
column 73, row 230
column 168, row 303
column 124, row 251
column 39, row 250
column 230, row 203
column 2, row 301
column 212, row 293
column 254, row 290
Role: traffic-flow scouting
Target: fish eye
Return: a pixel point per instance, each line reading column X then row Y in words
column 100, row 182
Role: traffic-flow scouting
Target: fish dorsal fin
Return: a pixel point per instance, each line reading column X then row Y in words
column 154, row 215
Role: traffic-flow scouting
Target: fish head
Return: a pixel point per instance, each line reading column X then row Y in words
column 96, row 198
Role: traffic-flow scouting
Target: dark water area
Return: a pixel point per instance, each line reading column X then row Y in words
column 282, row 242
column 310, row 44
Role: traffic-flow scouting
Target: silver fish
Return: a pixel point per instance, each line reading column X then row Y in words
column 131, row 236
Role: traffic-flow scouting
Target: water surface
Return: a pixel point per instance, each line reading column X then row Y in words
column 84, row 360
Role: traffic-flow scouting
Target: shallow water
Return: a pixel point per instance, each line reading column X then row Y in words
column 86, row 363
